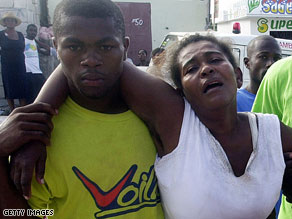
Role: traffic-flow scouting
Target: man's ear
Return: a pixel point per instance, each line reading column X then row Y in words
column 246, row 62
column 126, row 46
column 238, row 74
column 56, row 46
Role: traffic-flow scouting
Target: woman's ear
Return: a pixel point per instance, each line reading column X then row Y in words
column 238, row 74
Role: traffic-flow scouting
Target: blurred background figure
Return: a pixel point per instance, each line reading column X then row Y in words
column 35, row 77
column 143, row 59
column 262, row 52
column 155, row 54
column 156, row 63
column 12, row 60
column 47, row 63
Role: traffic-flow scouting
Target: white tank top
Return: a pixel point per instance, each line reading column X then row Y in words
column 196, row 180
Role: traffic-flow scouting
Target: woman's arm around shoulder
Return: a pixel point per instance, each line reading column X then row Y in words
column 55, row 90
column 156, row 103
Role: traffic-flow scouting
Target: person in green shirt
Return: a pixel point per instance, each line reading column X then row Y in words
column 275, row 96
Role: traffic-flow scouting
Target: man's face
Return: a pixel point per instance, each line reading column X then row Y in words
column 91, row 53
column 31, row 32
column 142, row 55
column 262, row 56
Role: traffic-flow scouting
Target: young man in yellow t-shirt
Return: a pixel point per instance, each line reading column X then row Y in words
column 100, row 162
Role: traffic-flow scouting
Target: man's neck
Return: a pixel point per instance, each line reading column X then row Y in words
column 29, row 38
column 252, row 88
column 111, row 104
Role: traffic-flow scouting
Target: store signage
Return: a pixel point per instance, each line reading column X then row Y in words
column 277, row 7
column 274, row 24
column 253, row 4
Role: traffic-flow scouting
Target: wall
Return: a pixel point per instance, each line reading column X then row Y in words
column 245, row 25
column 27, row 10
column 168, row 16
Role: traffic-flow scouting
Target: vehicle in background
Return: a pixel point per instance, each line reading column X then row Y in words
column 238, row 44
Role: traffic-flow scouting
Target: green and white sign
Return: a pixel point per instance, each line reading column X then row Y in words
column 265, row 25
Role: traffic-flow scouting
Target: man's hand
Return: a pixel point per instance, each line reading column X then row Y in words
column 287, row 180
column 24, row 124
column 29, row 157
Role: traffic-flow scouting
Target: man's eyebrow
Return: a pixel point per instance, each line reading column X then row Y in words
column 72, row 40
column 76, row 40
column 106, row 39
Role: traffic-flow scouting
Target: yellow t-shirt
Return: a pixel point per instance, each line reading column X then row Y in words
column 98, row 166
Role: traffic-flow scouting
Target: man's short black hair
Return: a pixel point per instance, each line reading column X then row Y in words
column 156, row 51
column 88, row 9
column 251, row 45
column 173, row 64
column 31, row 25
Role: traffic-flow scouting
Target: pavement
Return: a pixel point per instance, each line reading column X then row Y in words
column 4, row 108
column 2, row 118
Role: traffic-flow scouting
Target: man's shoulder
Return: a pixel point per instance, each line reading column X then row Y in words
column 244, row 93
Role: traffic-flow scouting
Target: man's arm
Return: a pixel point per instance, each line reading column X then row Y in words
column 155, row 102
column 31, row 122
column 33, row 156
column 43, row 48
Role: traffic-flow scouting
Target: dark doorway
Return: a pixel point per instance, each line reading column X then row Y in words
column 138, row 27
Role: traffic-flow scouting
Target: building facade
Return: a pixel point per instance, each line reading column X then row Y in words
column 29, row 13
column 147, row 22
column 269, row 17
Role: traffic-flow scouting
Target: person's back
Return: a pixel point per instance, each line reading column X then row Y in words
column 262, row 52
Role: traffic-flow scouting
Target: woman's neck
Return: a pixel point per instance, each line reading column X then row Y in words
column 10, row 30
column 219, row 121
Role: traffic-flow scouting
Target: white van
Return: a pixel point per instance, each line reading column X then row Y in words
column 238, row 43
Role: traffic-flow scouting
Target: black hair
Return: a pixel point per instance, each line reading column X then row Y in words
column 156, row 51
column 251, row 44
column 31, row 25
column 88, row 9
column 143, row 51
column 173, row 64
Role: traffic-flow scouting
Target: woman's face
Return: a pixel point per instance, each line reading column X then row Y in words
column 208, row 78
column 10, row 22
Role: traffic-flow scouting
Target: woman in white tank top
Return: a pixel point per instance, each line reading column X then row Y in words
column 212, row 161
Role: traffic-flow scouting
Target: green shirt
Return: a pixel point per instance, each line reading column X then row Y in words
column 275, row 96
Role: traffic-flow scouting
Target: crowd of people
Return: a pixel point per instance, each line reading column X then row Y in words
column 20, row 64
column 118, row 128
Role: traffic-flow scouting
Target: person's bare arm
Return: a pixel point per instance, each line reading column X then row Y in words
column 9, row 198
column 43, row 47
column 55, row 90
column 33, row 155
column 31, row 122
column 156, row 103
